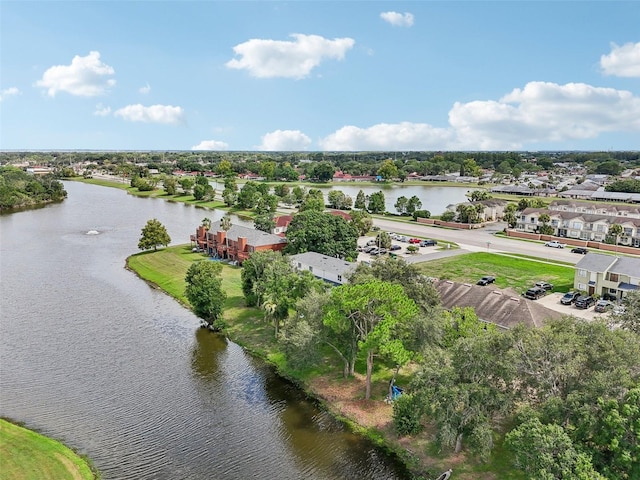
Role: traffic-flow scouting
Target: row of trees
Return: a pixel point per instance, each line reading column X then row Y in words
column 20, row 189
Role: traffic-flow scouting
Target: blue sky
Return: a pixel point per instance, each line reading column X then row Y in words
column 320, row 76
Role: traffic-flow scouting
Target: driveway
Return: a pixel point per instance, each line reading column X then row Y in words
column 552, row 301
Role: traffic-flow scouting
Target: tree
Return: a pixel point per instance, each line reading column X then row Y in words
column 264, row 222
column 629, row 319
column 314, row 231
column 383, row 240
column 448, row 216
column 545, row 228
column 252, row 270
column 248, row 196
column 376, row 202
column 547, row 452
column 478, row 195
column 206, row 223
column 388, row 170
column 224, row 168
column 374, row 313
column 469, row 168
column 362, row 221
column 414, row 204
column 401, row 205
column 204, row 290
column 360, row 201
column 313, row 201
column 614, row 232
column 154, row 234
column 187, row 184
column 323, row 172
column 170, row 185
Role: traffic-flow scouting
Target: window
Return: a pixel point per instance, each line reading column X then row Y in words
column 582, row 273
column 339, row 278
column 628, row 232
column 299, row 265
column 533, row 219
column 582, row 286
column 576, row 225
column 614, row 291
column 613, row 277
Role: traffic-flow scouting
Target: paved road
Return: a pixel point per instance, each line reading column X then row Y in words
column 480, row 240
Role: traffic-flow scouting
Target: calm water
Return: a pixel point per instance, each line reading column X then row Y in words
column 434, row 199
column 91, row 355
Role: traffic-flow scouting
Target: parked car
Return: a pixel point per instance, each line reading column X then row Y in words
column 402, row 238
column 374, row 251
column 369, row 249
column 580, row 250
column 546, row 286
column 372, row 243
column 569, row 297
column 603, row 306
column 554, row 244
column 619, row 309
column 428, row 243
column 414, row 240
column 395, row 247
column 486, row 280
column 585, row 301
column 535, row 293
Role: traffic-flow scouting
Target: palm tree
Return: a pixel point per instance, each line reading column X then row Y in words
column 206, row 223
column 615, row 230
column 225, row 224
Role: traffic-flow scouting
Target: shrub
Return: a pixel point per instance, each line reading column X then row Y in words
column 421, row 214
column 407, row 412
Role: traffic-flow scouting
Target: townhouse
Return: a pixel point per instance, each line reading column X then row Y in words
column 607, row 275
column 237, row 243
column 585, row 221
column 330, row 269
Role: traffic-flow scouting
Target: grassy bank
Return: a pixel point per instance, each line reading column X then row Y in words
column 510, row 271
column 344, row 398
column 27, row 455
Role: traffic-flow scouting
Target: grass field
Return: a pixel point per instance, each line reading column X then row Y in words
column 518, row 273
column 27, row 455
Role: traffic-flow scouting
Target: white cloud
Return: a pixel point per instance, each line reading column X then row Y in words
column 386, row 136
column 540, row 112
column 398, row 19
column 545, row 112
column 9, row 92
column 211, row 145
column 166, row 114
column 85, row 77
column 284, row 141
column 623, row 61
column 289, row 59
column 102, row 111
column 145, row 90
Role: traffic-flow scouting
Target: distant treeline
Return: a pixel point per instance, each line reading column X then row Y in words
column 20, row 189
column 353, row 163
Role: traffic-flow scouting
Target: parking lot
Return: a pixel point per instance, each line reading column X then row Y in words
column 401, row 252
column 552, row 301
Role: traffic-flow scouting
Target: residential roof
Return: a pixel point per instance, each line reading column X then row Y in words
column 324, row 263
column 627, row 266
column 256, row 238
column 596, row 262
column 503, row 307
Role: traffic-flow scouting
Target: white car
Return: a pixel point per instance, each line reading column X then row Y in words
column 554, row 244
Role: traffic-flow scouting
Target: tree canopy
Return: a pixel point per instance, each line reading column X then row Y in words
column 315, row 231
column 204, row 290
column 154, row 234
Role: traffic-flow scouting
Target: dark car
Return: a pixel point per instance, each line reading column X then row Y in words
column 395, row 247
column 569, row 297
column 535, row 293
column 580, row 250
column 486, row 280
column 603, row 306
column 428, row 243
column 546, row 286
column 585, row 301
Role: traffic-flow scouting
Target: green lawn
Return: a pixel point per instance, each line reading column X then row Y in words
column 514, row 272
column 27, row 455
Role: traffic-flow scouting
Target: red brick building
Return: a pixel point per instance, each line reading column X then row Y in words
column 237, row 243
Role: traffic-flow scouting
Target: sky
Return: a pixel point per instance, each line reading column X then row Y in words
column 320, row 75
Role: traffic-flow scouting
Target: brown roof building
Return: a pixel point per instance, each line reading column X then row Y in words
column 505, row 308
